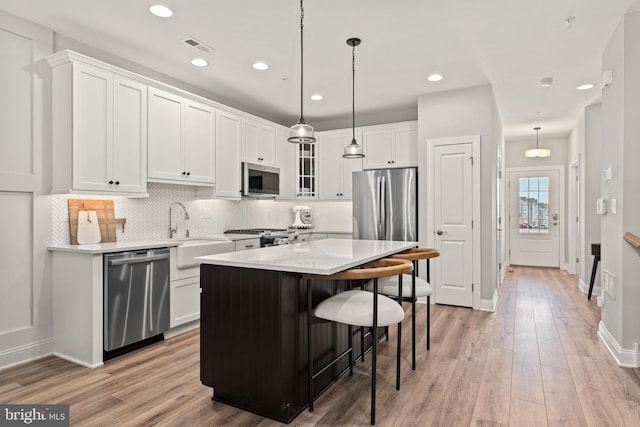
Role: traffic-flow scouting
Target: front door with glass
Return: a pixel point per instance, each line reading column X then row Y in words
column 534, row 218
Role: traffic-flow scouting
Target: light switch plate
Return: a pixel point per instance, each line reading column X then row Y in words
column 613, row 206
column 609, row 284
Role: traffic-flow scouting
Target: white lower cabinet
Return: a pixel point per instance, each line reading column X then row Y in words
column 185, row 300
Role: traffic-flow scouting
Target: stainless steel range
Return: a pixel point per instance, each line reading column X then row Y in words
column 268, row 236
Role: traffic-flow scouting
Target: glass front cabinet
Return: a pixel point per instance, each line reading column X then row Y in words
column 307, row 184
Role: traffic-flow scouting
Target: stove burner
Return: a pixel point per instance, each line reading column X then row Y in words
column 254, row 230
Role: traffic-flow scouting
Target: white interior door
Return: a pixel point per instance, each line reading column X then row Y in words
column 453, row 214
column 534, row 217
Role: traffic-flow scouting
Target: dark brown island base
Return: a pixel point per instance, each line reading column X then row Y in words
column 253, row 345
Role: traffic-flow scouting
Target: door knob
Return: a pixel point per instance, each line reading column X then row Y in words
column 439, row 232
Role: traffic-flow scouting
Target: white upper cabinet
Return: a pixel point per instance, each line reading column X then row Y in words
column 391, row 146
column 334, row 177
column 181, row 139
column 286, row 161
column 228, row 171
column 258, row 142
column 99, row 128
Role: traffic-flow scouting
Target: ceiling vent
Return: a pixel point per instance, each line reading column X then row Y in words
column 198, row 45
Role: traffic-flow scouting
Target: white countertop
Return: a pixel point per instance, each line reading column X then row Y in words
column 103, row 248
column 326, row 256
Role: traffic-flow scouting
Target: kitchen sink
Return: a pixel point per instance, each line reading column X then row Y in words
column 189, row 249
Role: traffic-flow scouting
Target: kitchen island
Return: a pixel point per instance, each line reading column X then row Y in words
column 253, row 333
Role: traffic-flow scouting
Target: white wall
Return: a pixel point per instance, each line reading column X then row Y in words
column 592, row 189
column 25, row 288
column 620, row 326
column 465, row 112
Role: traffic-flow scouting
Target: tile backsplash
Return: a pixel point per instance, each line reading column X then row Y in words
column 148, row 218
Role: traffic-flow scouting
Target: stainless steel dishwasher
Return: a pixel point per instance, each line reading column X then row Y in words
column 136, row 297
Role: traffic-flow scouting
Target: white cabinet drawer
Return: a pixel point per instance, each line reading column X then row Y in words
column 245, row 244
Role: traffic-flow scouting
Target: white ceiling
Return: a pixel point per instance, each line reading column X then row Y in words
column 511, row 44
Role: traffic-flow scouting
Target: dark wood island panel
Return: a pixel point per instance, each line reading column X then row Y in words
column 253, row 349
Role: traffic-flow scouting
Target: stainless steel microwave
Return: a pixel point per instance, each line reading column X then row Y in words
column 260, row 180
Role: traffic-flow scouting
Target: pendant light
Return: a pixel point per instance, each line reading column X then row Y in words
column 353, row 150
column 301, row 133
column 537, row 152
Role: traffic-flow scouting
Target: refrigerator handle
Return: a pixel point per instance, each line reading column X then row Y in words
column 378, row 199
column 383, row 207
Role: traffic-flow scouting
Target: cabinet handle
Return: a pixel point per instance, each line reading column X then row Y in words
column 188, row 173
column 184, row 173
column 117, row 182
column 388, row 162
column 111, row 182
column 249, row 246
column 393, row 161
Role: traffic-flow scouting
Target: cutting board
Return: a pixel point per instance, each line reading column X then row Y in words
column 88, row 228
column 104, row 214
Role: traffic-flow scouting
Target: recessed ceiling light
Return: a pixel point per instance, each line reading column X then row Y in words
column 435, row 77
column 199, row 62
column 261, row 66
column 317, row 97
column 586, row 86
column 546, row 82
column 161, row 11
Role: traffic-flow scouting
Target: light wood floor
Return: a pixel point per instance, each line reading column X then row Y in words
column 536, row 361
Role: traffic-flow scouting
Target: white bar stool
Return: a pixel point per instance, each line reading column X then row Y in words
column 358, row 308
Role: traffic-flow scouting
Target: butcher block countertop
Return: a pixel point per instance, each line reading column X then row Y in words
column 327, row 256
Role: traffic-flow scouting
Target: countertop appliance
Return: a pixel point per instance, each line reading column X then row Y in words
column 385, row 204
column 268, row 236
column 260, row 180
column 136, row 298
column 303, row 217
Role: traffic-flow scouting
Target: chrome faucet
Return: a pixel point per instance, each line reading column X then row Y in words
column 173, row 230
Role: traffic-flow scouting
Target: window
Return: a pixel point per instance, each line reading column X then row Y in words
column 533, row 205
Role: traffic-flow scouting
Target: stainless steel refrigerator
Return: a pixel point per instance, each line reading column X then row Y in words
column 385, row 204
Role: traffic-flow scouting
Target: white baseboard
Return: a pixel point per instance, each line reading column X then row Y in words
column 78, row 361
column 26, row 353
column 566, row 268
column 584, row 287
column 626, row 358
column 489, row 304
column 181, row 329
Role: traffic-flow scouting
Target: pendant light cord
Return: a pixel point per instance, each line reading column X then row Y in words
column 301, row 62
column 353, row 93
